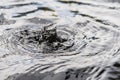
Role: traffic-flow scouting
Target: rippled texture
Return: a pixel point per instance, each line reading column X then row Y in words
column 59, row 40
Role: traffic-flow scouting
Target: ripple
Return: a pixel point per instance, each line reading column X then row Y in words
column 35, row 39
column 39, row 8
column 50, row 39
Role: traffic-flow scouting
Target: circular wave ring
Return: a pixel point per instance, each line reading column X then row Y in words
column 61, row 40
column 36, row 40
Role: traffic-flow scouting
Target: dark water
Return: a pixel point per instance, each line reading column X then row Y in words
column 59, row 40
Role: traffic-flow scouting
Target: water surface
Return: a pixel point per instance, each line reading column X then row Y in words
column 59, row 40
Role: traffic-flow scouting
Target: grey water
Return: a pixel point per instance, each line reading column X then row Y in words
column 112, row 0
column 59, row 40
